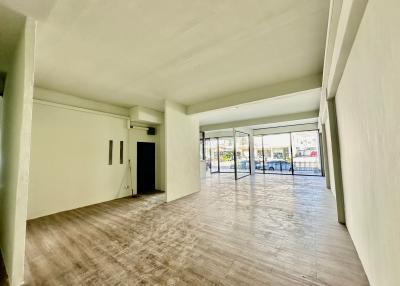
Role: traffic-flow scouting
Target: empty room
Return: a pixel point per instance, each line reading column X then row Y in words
column 199, row 142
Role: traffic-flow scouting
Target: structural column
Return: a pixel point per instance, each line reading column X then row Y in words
column 335, row 152
column 325, row 156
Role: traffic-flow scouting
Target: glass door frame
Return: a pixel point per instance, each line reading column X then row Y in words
column 211, row 171
column 235, row 155
column 219, row 153
column 262, row 154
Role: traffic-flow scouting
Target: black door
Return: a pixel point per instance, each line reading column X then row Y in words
column 146, row 167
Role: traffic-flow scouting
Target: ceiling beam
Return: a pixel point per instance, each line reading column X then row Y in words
column 334, row 15
column 262, row 120
column 344, row 31
column 269, row 91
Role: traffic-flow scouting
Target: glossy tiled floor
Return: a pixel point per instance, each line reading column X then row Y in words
column 260, row 230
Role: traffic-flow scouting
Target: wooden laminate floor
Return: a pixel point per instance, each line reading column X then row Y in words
column 260, row 230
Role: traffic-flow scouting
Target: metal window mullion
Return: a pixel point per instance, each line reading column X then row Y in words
column 234, row 153
column 291, row 152
column 263, row 153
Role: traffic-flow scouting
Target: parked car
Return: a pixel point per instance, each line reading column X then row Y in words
column 242, row 165
column 278, row 165
column 258, row 165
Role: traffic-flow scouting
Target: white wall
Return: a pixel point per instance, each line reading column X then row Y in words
column 182, row 160
column 69, row 159
column 79, row 136
column 16, row 138
column 368, row 112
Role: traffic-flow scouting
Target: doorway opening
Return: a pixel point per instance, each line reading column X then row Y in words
column 146, row 168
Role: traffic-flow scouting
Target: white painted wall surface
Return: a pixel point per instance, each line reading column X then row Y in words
column 69, row 160
column 17, row 116
column 182, row 158
column 368, row 111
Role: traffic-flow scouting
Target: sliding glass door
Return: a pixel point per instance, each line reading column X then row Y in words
column 242, row 152
column 226, row 158
column 222, row 157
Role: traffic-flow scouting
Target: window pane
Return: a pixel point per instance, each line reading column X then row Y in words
column 207, row 155
column 242, row 154
column 201, row 149
column 258, row 154
column 277, row 153
column 226, row 160
column 306, row 155
column 214, row 155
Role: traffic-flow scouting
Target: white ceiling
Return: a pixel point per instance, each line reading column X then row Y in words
column 11, row 24
column 140, row 52
column 288, row 104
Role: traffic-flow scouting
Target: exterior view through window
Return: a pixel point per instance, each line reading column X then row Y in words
column 277, row 154
column 242, row 154
column 207, row 151
column 295, row 153
column 220, row 154
column 292, row 153
column 226, row 160
column 258, row 154
column 306, row 153
column 214, row 164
